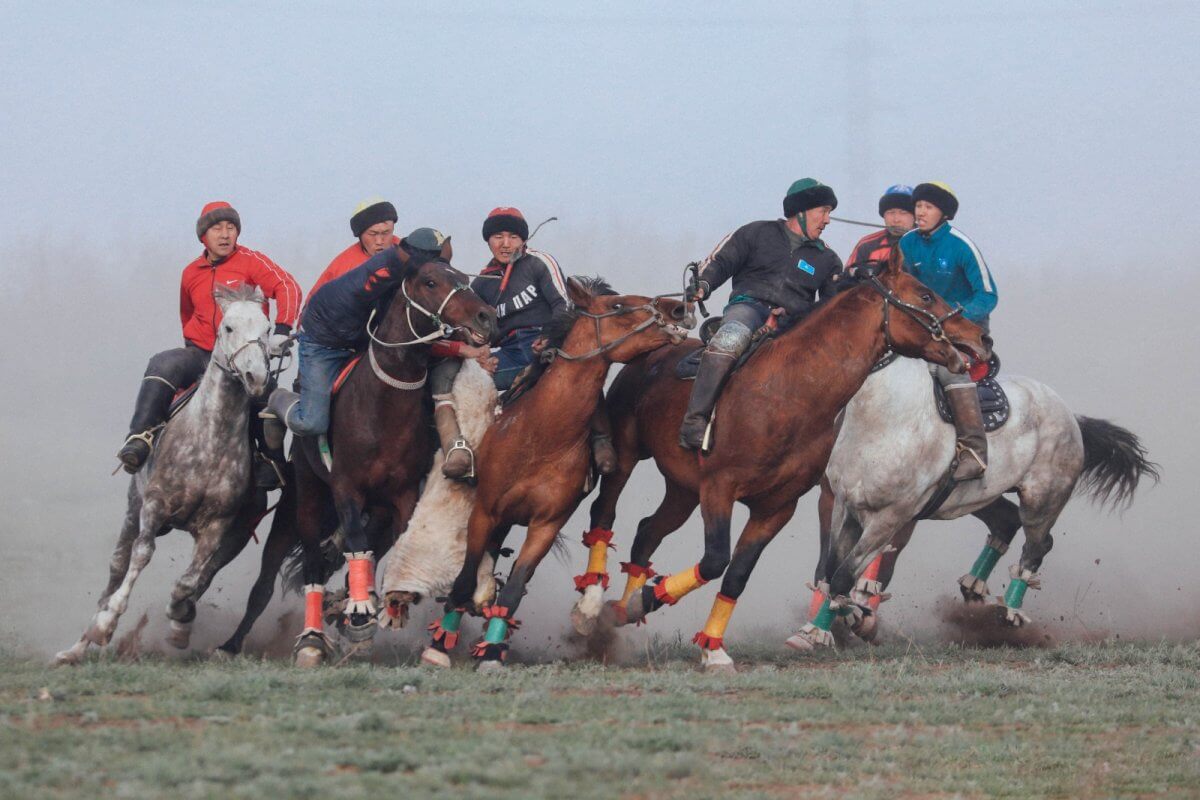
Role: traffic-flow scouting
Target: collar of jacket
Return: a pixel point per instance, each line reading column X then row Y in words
column 804, row 240
column 937, row 234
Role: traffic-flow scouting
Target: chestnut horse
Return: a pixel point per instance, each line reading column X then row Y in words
column 382, row 447
column 774, row 429
column 534, row 460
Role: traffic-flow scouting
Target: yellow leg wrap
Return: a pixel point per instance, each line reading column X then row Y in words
column 676, row 586
column 712, row 637
column 598, row 558
column 632, row 584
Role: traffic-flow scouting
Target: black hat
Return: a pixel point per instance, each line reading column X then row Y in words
column 372, row 213
column 940, row 195
column 807, row 193
column 505, row 220
column 898, row 196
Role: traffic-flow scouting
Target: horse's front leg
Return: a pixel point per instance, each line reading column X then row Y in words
column 480, row 529
column 358, row 624
column 492, row 651
column 151, row 520
column 217, row 543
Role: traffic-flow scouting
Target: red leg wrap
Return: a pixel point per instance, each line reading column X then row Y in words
column 590, row 579
column 448, row 639
column 630, row 568
column 708, row 642
column 597, row 535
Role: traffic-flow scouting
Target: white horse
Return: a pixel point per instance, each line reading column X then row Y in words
column 893, row 450
column 197, row 479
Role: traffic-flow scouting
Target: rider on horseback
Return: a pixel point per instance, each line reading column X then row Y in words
column 334, row 325
column 774, row 264
column 949, row 263
column 223, row 262
column 527, row 288
column 373, row 225
column 896, row 208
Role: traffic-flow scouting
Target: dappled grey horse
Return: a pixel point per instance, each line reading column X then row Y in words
column 889, row 459
column 197, row 479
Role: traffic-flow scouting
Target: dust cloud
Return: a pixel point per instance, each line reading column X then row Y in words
column 78, row 327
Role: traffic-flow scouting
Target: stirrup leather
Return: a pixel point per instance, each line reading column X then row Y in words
column 461, row 444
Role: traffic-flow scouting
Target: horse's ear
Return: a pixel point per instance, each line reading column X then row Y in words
column 447, row 251
column 579, row 295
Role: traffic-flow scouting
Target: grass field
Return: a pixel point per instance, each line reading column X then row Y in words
column 1099, row 720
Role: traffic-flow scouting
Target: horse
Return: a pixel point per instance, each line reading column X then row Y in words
column 534, row 460
column 382, row 447
column 772, row 452
column 197, row 479
column 1044, row 453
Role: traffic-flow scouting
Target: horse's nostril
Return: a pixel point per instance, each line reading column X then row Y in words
column 678, row 312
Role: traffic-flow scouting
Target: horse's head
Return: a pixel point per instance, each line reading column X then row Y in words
column 623, row 327
column 444, row 297
column 920, row 324
column 241, row 346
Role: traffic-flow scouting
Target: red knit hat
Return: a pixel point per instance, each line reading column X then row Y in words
column 505, row 219
column 214, row 212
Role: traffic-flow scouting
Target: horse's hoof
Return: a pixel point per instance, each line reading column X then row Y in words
column 717, row 662
column 435, row 658
column 70, row 657
column 395, row 611
column 583, row 623
column 180, row 635
column 359, row 628
column 974, row 590
column 1015, row 618
column 308, row 657
column 635, row 607
column 868, row 628
column 490, row 665
column 613, row 614
column 810, row 638
column 221, row 655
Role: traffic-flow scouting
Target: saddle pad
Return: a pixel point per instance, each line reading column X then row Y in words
column 345, row 373
column 992, row 401
column 181, row 399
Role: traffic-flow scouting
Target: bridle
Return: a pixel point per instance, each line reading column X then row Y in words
column 932, row 323
column 656, row 318
column 233, row 372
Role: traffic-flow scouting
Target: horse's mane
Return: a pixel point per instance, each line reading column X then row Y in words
column 555, row 333
column 238, row 293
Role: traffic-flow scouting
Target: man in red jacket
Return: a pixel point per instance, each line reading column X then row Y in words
column 374, row 227
column 896, row 208
column 223, row 261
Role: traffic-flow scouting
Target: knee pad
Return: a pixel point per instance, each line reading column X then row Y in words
column 732, row 338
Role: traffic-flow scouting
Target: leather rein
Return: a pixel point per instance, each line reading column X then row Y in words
column 656, row 318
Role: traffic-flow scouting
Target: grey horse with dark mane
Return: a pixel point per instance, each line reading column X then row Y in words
column 197, row 479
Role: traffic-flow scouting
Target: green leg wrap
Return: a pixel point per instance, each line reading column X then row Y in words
column 824, row 617
column 451, row 620
column 1015, row 595
column 986, row 562
column 497, row 629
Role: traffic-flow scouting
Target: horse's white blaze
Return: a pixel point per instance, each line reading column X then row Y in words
column 430, row 554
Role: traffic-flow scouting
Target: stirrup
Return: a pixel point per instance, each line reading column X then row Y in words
column 461, row 444
column 960, row 449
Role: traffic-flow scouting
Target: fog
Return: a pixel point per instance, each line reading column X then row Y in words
column 1066, row 131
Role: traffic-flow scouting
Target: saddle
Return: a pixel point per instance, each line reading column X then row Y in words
column 181, row 399
column 993, row 402
column 689, row 365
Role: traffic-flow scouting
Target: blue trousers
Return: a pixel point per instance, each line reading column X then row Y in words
column 319, row 368
column 515, row 354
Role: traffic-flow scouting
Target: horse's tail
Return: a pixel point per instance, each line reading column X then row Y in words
column 1114, row 462
column 332, row 560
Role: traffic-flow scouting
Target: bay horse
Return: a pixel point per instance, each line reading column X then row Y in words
column 197, row 478
column 534, row 459
column 1044, row 452
column 773, row 432
column 382, row 447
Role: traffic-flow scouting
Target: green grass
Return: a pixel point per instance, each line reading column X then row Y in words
column 1074, row 721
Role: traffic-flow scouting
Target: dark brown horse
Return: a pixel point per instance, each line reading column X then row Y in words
column 773, row 432
column 534, row 460
column 382, row 446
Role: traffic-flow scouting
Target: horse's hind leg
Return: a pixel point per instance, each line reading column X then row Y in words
column 280, row 542
column 758, row 533
column 716, row 506
column 150, row 521
column 1003, row 520
column 1039, row 512
column 481, row 535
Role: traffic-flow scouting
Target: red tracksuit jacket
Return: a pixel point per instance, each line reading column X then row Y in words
column 199, row 312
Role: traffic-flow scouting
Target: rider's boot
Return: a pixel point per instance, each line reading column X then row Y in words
column 460, row 459
column 971, row 446
column 270, row 459
column 279, row 405
column 603, row 453
column 714, row 369
column 153, row 403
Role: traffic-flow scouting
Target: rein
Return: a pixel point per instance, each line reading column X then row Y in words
column 656, row 318
column 932, row 323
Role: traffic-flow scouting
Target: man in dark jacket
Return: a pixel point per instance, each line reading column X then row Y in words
column 774, row 264
column 896, row 208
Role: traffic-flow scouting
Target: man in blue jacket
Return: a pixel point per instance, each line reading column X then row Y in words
column 945, row 260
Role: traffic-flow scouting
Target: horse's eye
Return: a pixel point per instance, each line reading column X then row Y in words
column 616, row 306
column 927, row 298
column 228, row 329
column 430, row 285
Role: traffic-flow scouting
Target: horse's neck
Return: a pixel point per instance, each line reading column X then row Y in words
column 406, row 363
column 220, row 405
column 847, row 336
column 896, row 390
column 565, row 397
